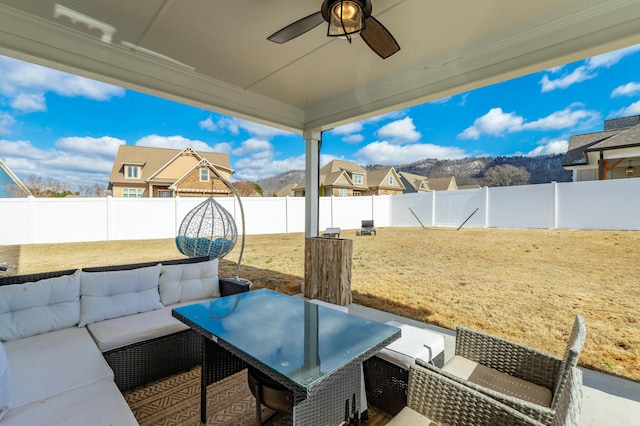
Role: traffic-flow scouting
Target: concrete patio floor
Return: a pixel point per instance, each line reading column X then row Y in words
column 607, row 400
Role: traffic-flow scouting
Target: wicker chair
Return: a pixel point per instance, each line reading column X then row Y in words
column 496, row 367
column 433, row 397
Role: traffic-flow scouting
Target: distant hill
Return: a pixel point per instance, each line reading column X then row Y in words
column 277, row 182
column 543, row 169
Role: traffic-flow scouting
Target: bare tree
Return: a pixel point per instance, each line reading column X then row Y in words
column 506, row 175
column 95, row 190
column 40, row 187
column 248, row 189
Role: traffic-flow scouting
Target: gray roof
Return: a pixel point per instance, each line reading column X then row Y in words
column 579, row 145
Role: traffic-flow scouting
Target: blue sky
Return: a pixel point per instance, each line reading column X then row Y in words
column 61, row 126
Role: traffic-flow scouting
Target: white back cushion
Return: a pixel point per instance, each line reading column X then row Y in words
column 40, row 306
column 190, row 281
column 6, row 386
column 112, row 294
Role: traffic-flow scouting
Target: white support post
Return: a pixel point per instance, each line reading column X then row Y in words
column 313, row 139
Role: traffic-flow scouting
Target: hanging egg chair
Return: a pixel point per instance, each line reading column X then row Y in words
column 210, row 230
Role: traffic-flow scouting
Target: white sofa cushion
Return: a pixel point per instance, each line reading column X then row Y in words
column 48, row 364
column 96, row 404
column 40, row 306
column 112, row 294
column 414, row 343
column 118, row 332
column 188, row 282
column 6, row 385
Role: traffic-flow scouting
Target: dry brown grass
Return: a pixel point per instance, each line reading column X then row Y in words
column 524, row 285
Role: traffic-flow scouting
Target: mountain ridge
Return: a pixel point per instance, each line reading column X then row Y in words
column 467, row 171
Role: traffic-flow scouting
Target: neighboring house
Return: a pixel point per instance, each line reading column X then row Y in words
column 157, row 172
column 341, row 178
column 418, row 183
column 287, row 190
column 10, row 185
column 384, row 182
column 470, row 186
column 414, row 183
column 611, row 154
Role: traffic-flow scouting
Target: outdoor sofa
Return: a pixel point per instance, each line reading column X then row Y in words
column 71, row 341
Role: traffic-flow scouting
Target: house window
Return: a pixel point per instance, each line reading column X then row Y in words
column 357, row 179
column 342, row 193
column 132, row 172
column 165, row 193
column 204, row 175
column 132, row 192
column 357, row 193
column 390, row 180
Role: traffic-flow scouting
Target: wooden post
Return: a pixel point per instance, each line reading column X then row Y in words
column 327, row 269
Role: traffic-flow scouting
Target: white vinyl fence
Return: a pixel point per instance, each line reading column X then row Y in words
column 613, row 205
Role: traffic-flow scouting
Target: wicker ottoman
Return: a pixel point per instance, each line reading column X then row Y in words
column 387, row 373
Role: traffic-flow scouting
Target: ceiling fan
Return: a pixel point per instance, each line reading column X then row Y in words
column 345, row 18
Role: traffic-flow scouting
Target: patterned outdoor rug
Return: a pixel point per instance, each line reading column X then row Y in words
column 176, row 401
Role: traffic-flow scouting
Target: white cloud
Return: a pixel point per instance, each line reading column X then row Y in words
column 386, row 153
column 348, row 129
column 24, row 78
column 353, row 139
column 566, row 118
column 253, row 147
column 553, row 147
column 399, row 131
column 172, row 142
column 234, row 125
column 495, row 123
column 633, row 109
column 253, row 170
column 498, row 123
column 586, row 71
column 6, row 122
column 208, row 124
column 629, row 89
column 29, row 102
column 578, row 75
column 607, row 60
column 105, row 146
column 76, row 160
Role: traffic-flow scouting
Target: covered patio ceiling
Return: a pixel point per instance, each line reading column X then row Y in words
column 214, row 54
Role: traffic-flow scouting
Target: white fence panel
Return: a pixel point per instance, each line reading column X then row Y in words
column 141, row 218
column 530, row 206
column 15, row 221
column 69, row 219
column 295, row 213
column 609, row 204
column 420, row 203
column 381, row 207
column 264, row 215
column 584, row 205
column 349, row 212
column 452, row 208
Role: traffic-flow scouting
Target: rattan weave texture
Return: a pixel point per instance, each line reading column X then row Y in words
column 448, row 402
column 556, row 374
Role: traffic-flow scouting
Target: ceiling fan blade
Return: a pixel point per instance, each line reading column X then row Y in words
column 296, row 29
column 379, row 38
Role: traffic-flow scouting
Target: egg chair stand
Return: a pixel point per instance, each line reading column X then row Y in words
column 210, row 230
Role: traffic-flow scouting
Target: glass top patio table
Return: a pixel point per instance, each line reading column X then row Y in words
column 302, row 341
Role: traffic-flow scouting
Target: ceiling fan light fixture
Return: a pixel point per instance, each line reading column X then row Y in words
column 345, row 17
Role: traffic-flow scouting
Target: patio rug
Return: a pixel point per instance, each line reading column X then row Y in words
column 176, row 401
